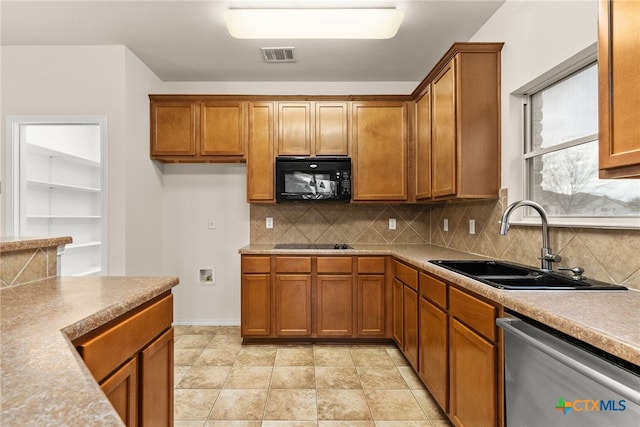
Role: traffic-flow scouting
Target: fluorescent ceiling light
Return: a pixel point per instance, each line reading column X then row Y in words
column 313, row 23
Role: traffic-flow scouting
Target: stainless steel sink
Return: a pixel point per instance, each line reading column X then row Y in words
column 505, row 275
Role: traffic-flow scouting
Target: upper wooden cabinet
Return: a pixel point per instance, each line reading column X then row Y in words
column 379, row 163
column 222, row 128
column 185, row 129
column 619, row 88
column 313, row 128
column 423, row 146
column 462, row 124
column 260, row 155
column 174, row 129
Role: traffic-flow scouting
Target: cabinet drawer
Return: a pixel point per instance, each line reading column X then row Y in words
column 406, row 274
column 474, row 312
column 334, row 265
column 107, row 349
column 434, row 289
column 256, row 264
column 291, row 264
column 371, row 265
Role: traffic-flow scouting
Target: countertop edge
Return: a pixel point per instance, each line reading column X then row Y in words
column 13, row 244
column 523, row 302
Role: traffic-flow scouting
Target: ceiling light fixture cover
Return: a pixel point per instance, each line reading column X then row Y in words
column 313, row 23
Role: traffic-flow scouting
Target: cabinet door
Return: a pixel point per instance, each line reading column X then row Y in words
column 260, row 158
column 371, row 305
column 423, row 146
column 434, row 351
column 156, row 382
column 121, row 388
column 293, row 304
column 174, row 129
column 619, row 88
column 294, row 129
column 222, row 128
column 410, row 314
column 473, row 400
column 334, row 305
column 331, row 129
column 397, row 327
column 380, row 151
column 255, row 305
column 444, row 132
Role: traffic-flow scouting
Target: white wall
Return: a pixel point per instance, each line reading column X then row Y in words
column 193, row 194
column 97, row 81
column 538, row 36
column 143, row 177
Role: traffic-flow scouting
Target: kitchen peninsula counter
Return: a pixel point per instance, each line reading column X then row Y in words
column 44, row 380
column 607, row 320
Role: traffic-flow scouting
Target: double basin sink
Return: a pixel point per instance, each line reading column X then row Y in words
column 508, row 276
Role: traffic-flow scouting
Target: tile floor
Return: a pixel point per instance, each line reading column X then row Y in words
column 221, row 383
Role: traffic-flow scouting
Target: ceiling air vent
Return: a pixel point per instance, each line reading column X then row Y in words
column 279, row 54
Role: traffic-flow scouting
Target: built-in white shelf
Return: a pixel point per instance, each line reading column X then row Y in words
column 82, row 245
column 88, row 272
column 55, row 185
column 43, row 151
column 63, row 216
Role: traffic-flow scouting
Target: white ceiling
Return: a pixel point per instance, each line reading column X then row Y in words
column 184, row 40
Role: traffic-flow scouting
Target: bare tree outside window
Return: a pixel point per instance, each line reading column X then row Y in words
column 562, row 159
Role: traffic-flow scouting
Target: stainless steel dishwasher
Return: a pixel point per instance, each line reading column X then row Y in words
column 551, row 379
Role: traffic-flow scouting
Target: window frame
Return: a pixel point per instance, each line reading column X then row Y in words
column 527, row 216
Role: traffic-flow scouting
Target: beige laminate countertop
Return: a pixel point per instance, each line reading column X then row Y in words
column 44, row 381
column 16, row 243
column 608, row 320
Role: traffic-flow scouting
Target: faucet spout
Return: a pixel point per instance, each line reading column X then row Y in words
column 547, row 257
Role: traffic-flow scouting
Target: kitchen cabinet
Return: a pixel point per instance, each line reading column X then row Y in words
column 473, row 359
column 423, row 146
column 313, row 128
column 312, row 297
column 334, row 297
column 197, row 129
column 464, row 121
column 619, row 88
column 132, row 360
column 397, row 326
column 434, row 339
column 405, row 286
column 371, row 297
column 255, row 296
column 260, row 153
column 292, row 296
column 380, row 143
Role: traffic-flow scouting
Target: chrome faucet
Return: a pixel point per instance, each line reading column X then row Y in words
column 546, row 255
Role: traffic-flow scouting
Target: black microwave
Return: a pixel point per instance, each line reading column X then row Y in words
column 313, row 178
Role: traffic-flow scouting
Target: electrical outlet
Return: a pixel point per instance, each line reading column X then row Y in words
column 392, row 223
column 472, row 226
column 445, row 225
column 269, row 222
column 211, row 223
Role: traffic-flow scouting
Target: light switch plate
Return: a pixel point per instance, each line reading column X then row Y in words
column 472, row 226
column 211, row 224
column 269, row 222
column 392, row 223
column 445, row 225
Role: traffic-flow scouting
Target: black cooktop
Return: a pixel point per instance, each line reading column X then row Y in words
column 301, row 246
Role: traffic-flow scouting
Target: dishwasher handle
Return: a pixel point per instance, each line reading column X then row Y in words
column 624, row 391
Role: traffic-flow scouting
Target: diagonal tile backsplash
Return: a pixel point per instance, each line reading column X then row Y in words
column 607, row 255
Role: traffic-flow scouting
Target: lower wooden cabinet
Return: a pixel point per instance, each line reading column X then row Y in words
column 410, row 347
column 121, row 388
column 313, row 297
column 434, row 351
column 334, row 305
column 156, row 376
column 293, row 305
column 473, row 378
column 397, row 325
column 132, row 360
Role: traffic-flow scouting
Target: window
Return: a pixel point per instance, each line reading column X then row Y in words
column 561, row 153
